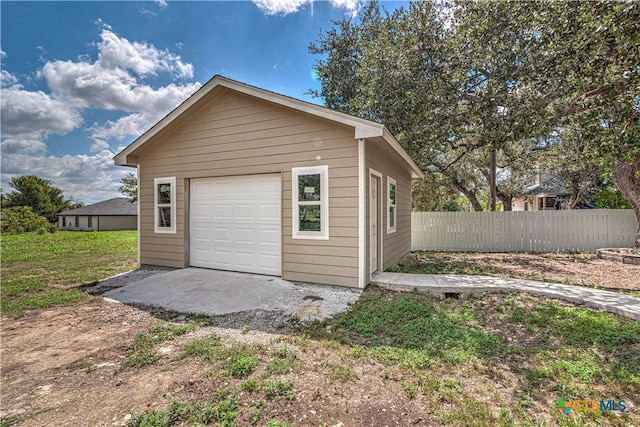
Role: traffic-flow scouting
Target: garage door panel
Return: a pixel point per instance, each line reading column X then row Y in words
column 235, row 223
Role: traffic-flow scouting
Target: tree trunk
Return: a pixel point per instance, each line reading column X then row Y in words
column 471, row 196
column 626, row 177
column 492, row 181
column 506, row 201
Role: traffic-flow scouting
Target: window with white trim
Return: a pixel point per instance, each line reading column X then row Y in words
column 310, row 204
column 164, row 199
column 77, row 221
column 64, row 221
column 392, row 211
column 90, row 222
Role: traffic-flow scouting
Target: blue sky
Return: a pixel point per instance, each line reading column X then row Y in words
column 81, row 80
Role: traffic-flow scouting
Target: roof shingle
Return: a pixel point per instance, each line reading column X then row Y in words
column 116, row 206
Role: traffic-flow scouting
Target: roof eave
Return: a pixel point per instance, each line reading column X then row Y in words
column 416, row 172
column 363, row 128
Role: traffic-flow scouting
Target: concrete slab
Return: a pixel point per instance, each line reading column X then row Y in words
column 218, row 293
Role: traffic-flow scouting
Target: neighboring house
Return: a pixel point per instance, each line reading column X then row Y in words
column 547, row 193
column 239, row 178
column 113, row 214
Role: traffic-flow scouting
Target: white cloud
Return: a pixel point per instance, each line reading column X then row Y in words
column 7, row 79
column 99, row 145
column 103, row 24
column 25, row 112
column 132, row 124
column 86, row 84
column 28, row 143
column 142, row 58
column 3, row 54
column 118, row 81
column 114, row 80
column 85, row 178
column 161, row 3
column 284, row 7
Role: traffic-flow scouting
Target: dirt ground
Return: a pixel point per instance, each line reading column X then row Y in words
column 63, row 366
column 582, row 269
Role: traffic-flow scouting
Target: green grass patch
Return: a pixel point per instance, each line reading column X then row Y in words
column 277, row 388
column 221, row 413
column 242, row 366
column 142, row 351
column 396, row 322
column 455, row 353
column 276, row 422
column 284, row 360
column 205, row 348
column 40, row 271
column 338, row 371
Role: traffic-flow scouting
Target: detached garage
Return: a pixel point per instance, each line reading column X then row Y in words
column 238, row 178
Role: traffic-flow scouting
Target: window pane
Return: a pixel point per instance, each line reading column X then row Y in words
column 392, row 194
column 164, row 217
column 309, row 188
column 309, row 218
column 392, row 216
column 164, row 194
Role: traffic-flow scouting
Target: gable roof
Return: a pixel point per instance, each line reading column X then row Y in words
column 112, row 207
column 363, row 128
column 547, row 185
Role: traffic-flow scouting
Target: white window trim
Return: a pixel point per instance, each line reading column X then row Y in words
column 171, row 181
column 390, row 182
column 323, row 234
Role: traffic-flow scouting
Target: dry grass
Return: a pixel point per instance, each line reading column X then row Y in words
column 583, row 269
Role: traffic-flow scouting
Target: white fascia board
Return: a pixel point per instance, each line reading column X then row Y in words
column 367, row 131
column 391, row 140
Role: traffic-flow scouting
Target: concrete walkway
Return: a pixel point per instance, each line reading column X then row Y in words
column 442, row 284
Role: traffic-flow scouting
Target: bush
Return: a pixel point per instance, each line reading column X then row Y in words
column 22, row 219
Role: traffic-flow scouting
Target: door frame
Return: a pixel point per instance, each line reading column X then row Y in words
column 377, row 210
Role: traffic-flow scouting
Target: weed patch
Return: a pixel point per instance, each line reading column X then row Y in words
column 284, row 360
column 412, row 321
column 222, row 413
column 142, row 351
column 204, row 348
column 274, row 389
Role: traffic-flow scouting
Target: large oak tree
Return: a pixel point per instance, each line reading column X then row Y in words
column 471, row 87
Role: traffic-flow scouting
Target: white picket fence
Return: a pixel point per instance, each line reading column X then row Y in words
column 541, row 231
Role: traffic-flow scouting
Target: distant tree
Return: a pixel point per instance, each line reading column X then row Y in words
column 129, row 186
column 39, row 194
column 22, row 219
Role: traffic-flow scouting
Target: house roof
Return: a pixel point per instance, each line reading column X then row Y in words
column 113, row 207
column 548, row 185
column 363, row 128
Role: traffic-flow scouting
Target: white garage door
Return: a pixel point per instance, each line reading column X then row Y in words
column 235, row 223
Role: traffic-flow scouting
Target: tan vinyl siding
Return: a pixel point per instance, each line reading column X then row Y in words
column 397, row 244
column 235, row 134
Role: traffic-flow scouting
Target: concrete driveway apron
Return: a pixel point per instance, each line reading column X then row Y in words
column 215, row 292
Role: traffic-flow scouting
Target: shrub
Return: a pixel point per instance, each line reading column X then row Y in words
column 22, row 219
